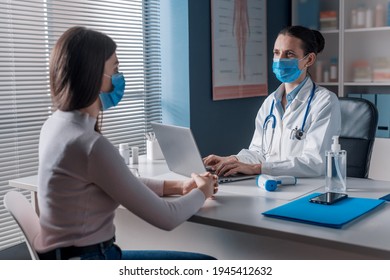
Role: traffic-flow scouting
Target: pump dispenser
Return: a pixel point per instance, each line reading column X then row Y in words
column 336, row 168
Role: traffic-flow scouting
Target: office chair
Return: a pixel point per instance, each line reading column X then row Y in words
column 359, row 119
column 25, row 216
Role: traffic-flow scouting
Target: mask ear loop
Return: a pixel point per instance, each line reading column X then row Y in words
column 306, row 65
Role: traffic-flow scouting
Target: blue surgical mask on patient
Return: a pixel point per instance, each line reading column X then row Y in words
column 112, row 98
column 286, row 69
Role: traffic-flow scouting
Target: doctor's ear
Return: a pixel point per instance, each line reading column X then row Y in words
column 311, row 58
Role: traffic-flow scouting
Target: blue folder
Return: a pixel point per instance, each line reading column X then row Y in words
column 334, row 216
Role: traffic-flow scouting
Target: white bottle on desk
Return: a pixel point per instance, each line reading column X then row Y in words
column 336, row 168
column 134, row 155
column 124, row 152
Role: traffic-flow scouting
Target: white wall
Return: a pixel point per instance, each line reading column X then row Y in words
column 380, row 160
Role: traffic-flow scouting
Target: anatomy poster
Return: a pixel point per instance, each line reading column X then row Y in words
column 239, row 48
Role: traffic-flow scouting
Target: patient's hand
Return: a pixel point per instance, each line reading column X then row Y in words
column 207, row 183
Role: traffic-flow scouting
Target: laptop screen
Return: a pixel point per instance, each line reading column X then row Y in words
column 179, row 148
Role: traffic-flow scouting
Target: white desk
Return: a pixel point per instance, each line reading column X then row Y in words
column 232, row 226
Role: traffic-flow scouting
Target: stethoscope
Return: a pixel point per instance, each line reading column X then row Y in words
column 296, row 133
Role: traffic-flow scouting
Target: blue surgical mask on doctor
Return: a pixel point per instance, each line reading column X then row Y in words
column 287, row 69
column 112, row 98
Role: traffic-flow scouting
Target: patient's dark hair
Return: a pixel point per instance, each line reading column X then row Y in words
column 312, row 40
column 77, row 66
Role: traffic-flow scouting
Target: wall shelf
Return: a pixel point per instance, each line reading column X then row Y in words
column 370, row 29
column 372, row 84
column 360, row 52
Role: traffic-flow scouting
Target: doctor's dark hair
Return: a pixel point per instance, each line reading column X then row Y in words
column 312, row 40
column 77, row 67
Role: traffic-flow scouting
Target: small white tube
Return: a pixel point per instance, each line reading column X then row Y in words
column 124, row 152
column 134, row 155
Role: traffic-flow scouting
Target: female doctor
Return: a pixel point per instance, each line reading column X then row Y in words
column 295, row 124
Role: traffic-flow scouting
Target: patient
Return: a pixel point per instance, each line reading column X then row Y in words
column 82, row 177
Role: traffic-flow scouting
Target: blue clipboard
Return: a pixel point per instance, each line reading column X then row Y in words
column 334, row 215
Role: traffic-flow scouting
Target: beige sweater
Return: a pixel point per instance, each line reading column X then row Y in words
column 82, row 179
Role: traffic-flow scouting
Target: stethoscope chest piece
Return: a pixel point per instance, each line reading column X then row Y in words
column 297, row 133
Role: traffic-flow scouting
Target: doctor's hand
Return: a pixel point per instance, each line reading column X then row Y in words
column 206, row 182
column 232, row 168
column 213, row 160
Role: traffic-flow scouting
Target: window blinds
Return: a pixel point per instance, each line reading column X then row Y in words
column 28, row 31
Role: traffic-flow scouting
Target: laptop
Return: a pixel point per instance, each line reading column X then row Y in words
column 182, row 154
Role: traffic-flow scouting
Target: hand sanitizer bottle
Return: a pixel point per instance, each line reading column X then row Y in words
column 336, row 168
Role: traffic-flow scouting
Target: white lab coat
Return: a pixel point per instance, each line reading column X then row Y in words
column 300, row 158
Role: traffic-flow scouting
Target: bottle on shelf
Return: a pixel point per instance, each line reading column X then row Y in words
column 333, row 70
column 326, row 76
column 319, row 71
column 353, row 18
column 361, row 17
column 369, row 18
column 379, row 15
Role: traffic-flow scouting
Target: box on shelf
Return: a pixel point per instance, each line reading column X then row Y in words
column 308, row 13
column 328, row 20
column 361, row 71
column 381, row 70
